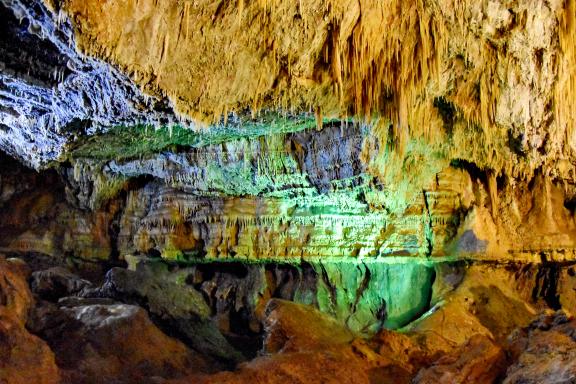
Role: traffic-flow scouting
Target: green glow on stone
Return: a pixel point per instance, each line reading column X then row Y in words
column 129, row 142
column 366, row 295
column 353, row 212
column 358, row 294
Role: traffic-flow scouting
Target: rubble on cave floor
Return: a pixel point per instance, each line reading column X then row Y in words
column 478, row 331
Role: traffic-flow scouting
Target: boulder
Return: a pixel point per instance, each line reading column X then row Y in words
column 24, row 358
column 479, row 361
column 115, row 343
column 545, row 351
column 304, row 345
column 54, row 283
column 292, row 327
column 483, row 304
column 177, row 308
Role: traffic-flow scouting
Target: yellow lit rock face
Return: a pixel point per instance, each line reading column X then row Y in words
column 307, row 171
column 470, row 108
column 494, row 79
column 443, row 130
column 314, row 195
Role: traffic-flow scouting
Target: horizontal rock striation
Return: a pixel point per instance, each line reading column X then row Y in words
column 309, row 195
column 287, row 182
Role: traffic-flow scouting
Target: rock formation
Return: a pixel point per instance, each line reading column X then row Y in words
column 294, row 191
column 24, row 357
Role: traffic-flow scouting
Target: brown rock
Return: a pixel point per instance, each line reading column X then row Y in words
column 329, row 367
column 102, row 343
column 545, row 351
column 176, row 306
column 478, row 361
column 407, row 349
column 307, row 346
column 24, row 358
column 15, row 296
column 484, row 303
column 292, row 327
column 56, row 282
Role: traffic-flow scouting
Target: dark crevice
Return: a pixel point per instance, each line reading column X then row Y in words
column 546, row 284
column 28, row 56
column 472, row 169
column 114, row 228
column 362, row 287
column 447, row 112
column 428, row 233
column 331, row 288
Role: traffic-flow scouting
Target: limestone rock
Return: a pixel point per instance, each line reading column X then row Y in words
column 478, row 361
column 113, row 343
column 545, row 351
column 178, row 308
column 16, row 298
column 285, row 333
column 322, row 351
column 57, row 282
column 391, row 164
column 47, row 87
column 485, row 303
column 24, row 358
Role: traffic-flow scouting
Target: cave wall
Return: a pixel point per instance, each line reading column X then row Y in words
column 328, row 142
column 489, row 82
column 337, row 153
column 461, row 151
column 303, row 195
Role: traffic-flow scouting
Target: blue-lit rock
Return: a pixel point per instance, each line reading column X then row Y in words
column 51, row 94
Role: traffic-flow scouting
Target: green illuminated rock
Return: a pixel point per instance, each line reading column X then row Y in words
column 367, row 296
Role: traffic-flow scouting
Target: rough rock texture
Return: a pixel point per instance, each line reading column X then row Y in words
column 478, row 361
column 393, row 164
column 284, row 331
column 320, row 352
column 485, row 82
column 486, row 303
column 493, row 62
column 323, row 351
column 545, row 350
column 51, row 93
column 55, row 283
column 180, row 309
column 468, row 154
column 96, row 343
column 363, row 296
column 462, row 339
column 283, row 196
column 24, row 358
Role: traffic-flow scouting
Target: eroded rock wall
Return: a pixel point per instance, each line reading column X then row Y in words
column 466, row 153
column 489, row 82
